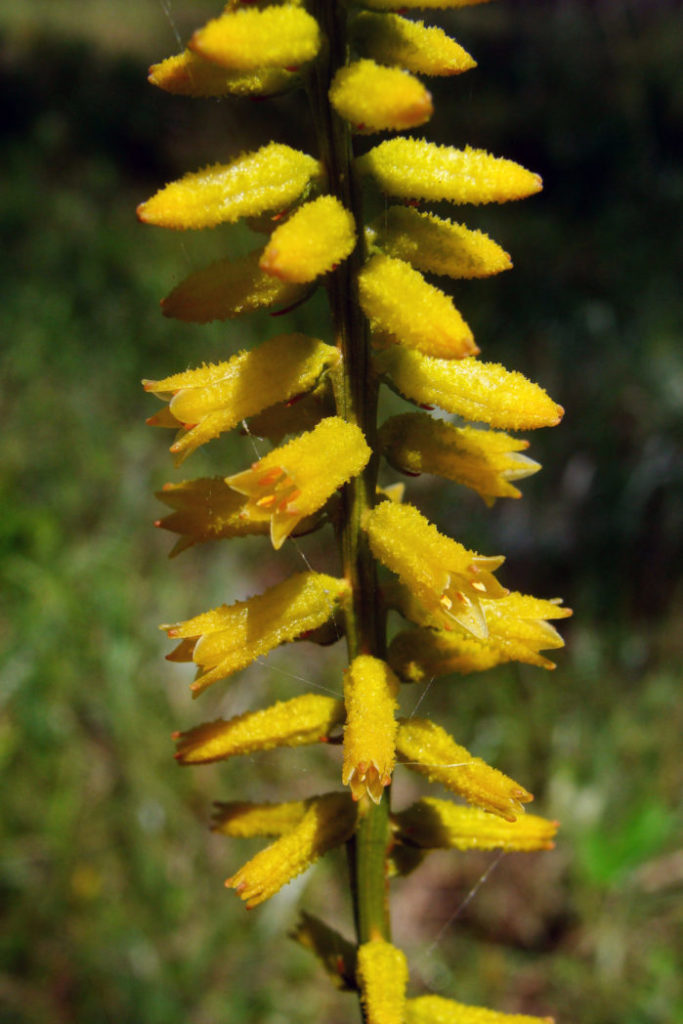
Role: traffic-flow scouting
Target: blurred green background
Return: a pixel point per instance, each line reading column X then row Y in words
column 111, row 898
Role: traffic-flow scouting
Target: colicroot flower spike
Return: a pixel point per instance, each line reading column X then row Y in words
column 315, row 399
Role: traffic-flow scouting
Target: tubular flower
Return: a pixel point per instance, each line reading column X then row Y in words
column 437, row 245
column 432, row 823
column 316, row 238
column 397, row 299
column 246, row 820
column 227, row 639
column 218, row 396
column 375, row 98
column 187, row 74
column 445, row 577
column 391, row 39
column 484, row 460
column 370, row 690
column 207, row 509
column 437, row 1010
column 415, row 169
column 228, row 289
column 292, row 723
column 382, row 975
column 295, row 480
column 486, row 392
column 428, row 749
column 270, row 179
column 279, row 37
column 328, row 822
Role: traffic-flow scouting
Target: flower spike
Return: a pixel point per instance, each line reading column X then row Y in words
column 294, row 481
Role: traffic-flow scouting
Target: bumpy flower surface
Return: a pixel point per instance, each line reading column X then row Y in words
column 484, row 392
column 228, row 289
column 328, row 822
column 447, row 578
column 242, row 819
column 218, row 396
column 391, row 39
column 484, row 460
column 316, row 238
column 382, row 976
column 437, row 245
column 187, row 74
column 207, row 509
column 374, row 98
column 426, row 748
column 437, row 1010
column 397, row 299
column 432, row 823
column 370, row 689
column 291, row 723
column 229, row 638
column 281, row 37
column 415, row 169
column 295, row 480
column 269, row 179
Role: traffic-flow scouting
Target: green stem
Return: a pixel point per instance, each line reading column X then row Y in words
column 356, row 402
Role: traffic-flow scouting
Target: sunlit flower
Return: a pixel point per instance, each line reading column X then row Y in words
column 432, row 823
column 437, row 1010
column 447, row 578
column 278, row 36
column 317, row 237
column 426, row 748
column 328, row 822
column 295, row 480
column 382, row 975
column 370, row 689
column 375, row 98
column 188, row 74
column 391, row 39
column 243, row 819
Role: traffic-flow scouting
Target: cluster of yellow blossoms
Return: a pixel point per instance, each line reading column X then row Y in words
column 359, row 64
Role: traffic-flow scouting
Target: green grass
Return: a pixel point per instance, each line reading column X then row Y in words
column 111, row 897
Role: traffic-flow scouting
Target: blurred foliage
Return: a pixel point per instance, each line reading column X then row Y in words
column 111, row 905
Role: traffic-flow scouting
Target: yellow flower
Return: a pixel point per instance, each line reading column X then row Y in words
column 241, row 819
column 227, row 289
column 370, row 690
column 270, row 179
column 486, row 392
column 447, row 578
column 187, row 74
column 295, row 480
column 426, row 748
column 317, row 237
column 397, row 299
column 382, row 975
column 328, row 822
column 437, row 1010
column 420, row 655
column 207, row 509
column 485, row 460
column 218, row 396
column 291, row 723
column 391, row 39
column 227, row 639
column 376, row 98
column 277, row 36
column 415, row 169
column 436, row 245
column 430, row 823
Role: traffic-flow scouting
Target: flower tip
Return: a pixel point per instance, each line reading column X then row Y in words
column 140, row 213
